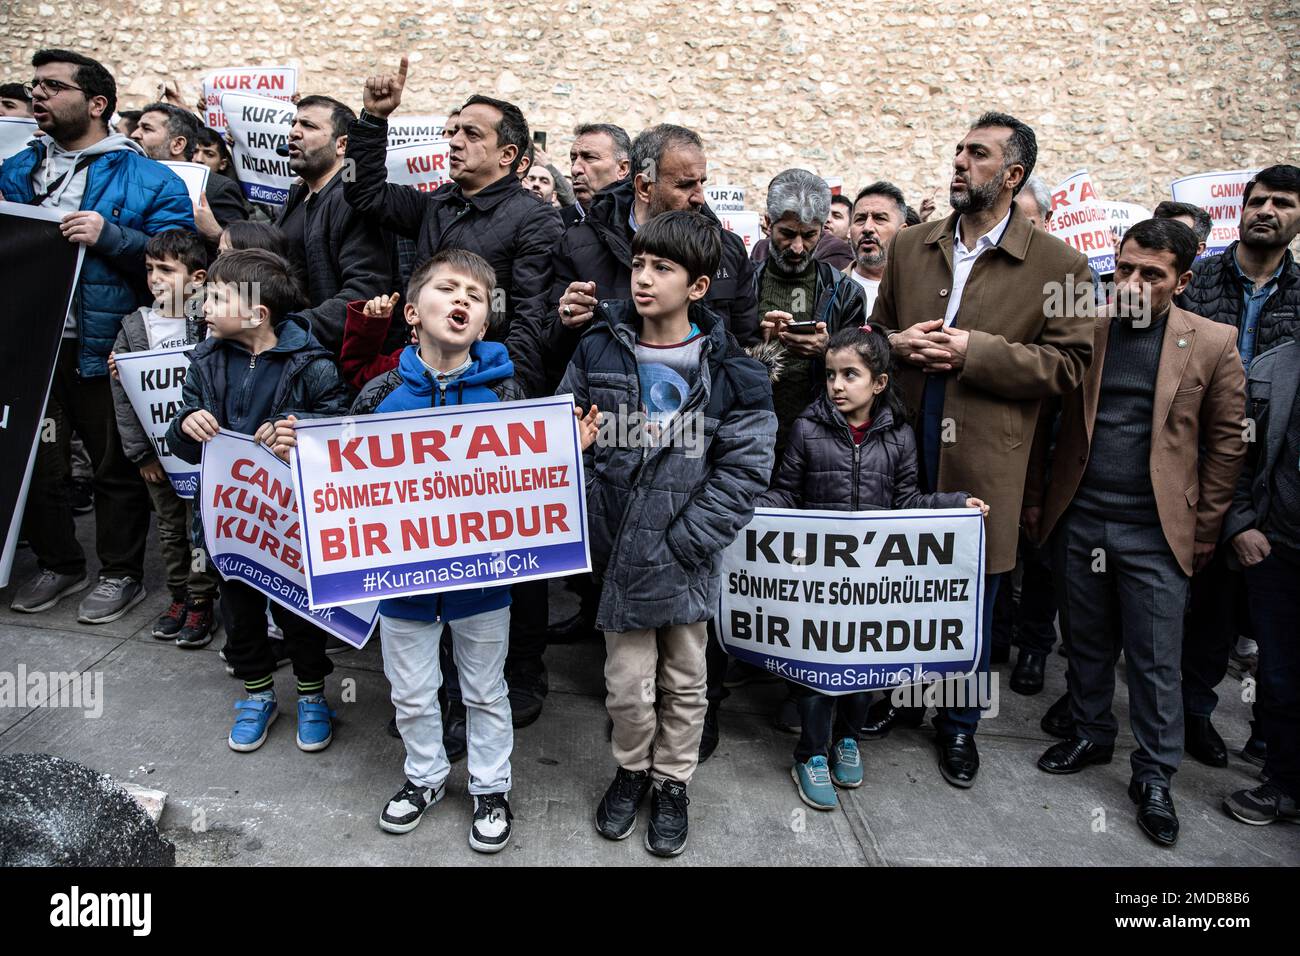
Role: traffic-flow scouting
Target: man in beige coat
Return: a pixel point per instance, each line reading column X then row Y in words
column 992, row 317
column 1146, row 460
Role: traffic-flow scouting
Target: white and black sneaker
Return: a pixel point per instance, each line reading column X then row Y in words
column 491, row 829
column 402, row 813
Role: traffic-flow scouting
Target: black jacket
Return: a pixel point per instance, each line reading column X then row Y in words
column 309, row 387
column 504, row 223
column 225, row 199
column 1215, row 293
column 348, row 257
column 823, row 470
column 599, row 249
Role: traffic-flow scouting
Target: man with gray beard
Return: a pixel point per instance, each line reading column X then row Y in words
column 878, row 213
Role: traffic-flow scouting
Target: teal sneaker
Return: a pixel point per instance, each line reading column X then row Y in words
column 314, row 728
column 813, row 780
column 846, row 764
column 253, row 718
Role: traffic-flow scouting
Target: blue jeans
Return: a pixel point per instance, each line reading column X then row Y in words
column 1274, row 588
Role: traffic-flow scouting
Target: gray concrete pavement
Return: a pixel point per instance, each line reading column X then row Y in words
column 166, row 714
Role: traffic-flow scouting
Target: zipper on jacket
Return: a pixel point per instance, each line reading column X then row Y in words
column 252, row 361
column 857, row 458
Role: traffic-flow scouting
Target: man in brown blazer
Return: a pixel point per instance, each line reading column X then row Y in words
column 1146, row 460
column 992, row 317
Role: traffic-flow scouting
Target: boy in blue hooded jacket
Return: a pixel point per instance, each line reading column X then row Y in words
column 449, row 300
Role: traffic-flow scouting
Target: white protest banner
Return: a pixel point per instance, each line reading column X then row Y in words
column 440, row 499
column 153, row 381
column 252, row 532
column 857, row 601
column 1120, row 216
column 1080, row 219
column 422, row 166
column 725, row 198
column 743, row 224
column 415, row 129
column 1219, row 194
column 194, row 175
column 259, row 125
column 15, row 133
column 277, row 82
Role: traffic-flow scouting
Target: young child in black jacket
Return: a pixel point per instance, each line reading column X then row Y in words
column 850, row 450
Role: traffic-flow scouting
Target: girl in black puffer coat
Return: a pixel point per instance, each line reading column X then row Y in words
column 850, row 451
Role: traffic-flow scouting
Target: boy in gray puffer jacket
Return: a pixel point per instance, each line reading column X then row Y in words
column 685, row 446
column 176, row 263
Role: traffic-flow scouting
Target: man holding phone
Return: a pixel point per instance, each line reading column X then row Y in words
column 801, row 300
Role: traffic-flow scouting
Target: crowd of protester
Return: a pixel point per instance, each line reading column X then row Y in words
column 1136, row 457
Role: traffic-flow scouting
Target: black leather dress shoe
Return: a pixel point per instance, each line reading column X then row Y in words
column 1027, row 677
column 959, row 760
column 1071, row 756
column 1156, row 814
column 1057, row 722
column 1203, row 742
column 883, row 716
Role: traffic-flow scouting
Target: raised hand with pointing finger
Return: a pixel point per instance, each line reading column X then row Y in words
column 383, row 93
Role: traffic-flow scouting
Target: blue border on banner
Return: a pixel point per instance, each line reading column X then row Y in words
column 186, row 484
column 353, row 581
column 938, row 670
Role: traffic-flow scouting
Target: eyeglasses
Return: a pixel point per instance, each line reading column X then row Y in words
column 51, row 87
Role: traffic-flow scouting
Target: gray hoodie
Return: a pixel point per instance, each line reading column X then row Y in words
column 67, row 195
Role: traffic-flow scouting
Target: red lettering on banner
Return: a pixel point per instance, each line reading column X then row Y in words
column 246, row 471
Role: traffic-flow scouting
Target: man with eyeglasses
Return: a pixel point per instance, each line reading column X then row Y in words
column 113, row 199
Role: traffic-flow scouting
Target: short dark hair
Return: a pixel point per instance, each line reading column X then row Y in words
column 1201, row 221
column 1022, row 144
column 245, row 234
column 207, row 136
column 511, row 130
column 131, row 118
column 180, row 244
column 457, row 260
column 1281, row 176
column 687, row 238
column 887, row 189
column 911, row 217
column 1167, row 234
column 179, row 123
column 91, row 76
column 14, row 91
column 531, row 153
column 617, row 134
column 650, row 145
column 843, row 200
column 272, row 276
column 340, row 113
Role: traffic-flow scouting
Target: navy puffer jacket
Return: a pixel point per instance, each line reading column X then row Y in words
column 823, row 470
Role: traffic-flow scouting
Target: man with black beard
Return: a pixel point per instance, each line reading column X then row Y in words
column 338, row 254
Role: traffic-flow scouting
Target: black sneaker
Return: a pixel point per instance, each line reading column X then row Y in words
column 1264, row 805
column 403, row 812
column 170, row 621
column 81, row 495
column 490, row 831
column 666, row 835
column 199, row 626
column 616, row 815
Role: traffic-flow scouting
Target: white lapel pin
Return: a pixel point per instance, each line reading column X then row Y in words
column 1182, row 343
